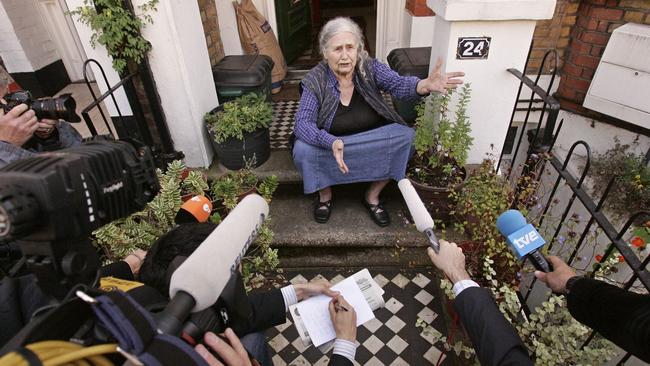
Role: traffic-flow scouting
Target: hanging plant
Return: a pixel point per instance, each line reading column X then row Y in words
column 116, row 27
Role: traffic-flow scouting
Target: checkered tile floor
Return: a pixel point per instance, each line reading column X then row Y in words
column 390, row 339
column 283, row 119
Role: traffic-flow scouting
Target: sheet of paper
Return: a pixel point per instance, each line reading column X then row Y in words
column 316, row 317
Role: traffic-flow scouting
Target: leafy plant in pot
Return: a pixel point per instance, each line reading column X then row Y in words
column 441, row 147
column 240, row 130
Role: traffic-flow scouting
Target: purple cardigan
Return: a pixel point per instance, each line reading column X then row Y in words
column 387, row 80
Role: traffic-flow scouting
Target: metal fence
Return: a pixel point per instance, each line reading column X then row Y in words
column 155, row 135
column 541, row 165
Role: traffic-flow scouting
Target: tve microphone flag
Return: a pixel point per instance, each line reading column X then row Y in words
column 523, row 239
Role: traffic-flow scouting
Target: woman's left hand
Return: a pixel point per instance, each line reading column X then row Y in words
column 436, row 82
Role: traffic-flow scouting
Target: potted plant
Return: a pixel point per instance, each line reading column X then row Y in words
column 442, row 144
column 141, row 229
column 240, row 130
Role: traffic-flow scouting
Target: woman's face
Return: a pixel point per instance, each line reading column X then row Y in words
column 341, row 53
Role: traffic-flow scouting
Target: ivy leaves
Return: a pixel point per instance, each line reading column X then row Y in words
column 117, row 29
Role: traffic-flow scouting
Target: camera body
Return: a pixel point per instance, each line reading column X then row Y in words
column 62, row 107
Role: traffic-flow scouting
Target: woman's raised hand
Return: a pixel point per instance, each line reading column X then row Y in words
column 436, row 82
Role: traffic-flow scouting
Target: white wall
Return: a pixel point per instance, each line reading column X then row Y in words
column 494, row 90
column 181, row 68
column 421, row 34
column 11, row 50
column 34, row 38
column 228, row 23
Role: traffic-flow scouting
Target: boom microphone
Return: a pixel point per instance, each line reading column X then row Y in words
column 198, row 282
column 523, row 239
column 423, row 221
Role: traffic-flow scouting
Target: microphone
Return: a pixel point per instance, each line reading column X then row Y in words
column 423, row 221
column 523, row 239
column 198, row 282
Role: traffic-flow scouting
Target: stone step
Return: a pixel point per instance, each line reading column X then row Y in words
column 349, row 238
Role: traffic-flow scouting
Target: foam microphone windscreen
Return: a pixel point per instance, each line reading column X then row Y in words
column 205, row 273
column 420, row 215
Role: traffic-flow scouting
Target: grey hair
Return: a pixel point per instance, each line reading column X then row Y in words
column 344, row 24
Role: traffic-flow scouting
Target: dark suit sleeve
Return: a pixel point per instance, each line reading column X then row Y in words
column 495, row 340
column 338, row 360
column 621, row 316
column 268, row 310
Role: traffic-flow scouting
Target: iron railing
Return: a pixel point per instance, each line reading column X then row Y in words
column 541, row 164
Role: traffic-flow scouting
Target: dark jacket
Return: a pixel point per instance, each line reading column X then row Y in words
column 495, row 340
column 621, row 316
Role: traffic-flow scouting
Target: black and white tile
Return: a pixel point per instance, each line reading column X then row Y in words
column 391, row 338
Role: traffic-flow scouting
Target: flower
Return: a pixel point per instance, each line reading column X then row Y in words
column 598, row 258
column 638, row 242
column 621, row 259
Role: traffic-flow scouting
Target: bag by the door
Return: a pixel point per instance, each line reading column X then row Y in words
column 257, row 37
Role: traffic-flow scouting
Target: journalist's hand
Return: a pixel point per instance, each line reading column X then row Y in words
column 556, row 280
column 135, row 260
column 18, row 125
column 232, row 352
column 45, row 128
column 344, row 319
column 337, row 150
column 436, row 82
column 450, row 260
column 306, row 290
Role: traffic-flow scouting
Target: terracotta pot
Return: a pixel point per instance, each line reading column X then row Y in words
column 438, row 200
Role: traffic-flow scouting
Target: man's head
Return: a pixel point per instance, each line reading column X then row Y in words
column 181, row 241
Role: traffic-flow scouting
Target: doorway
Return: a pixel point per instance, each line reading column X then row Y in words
column 300, row 21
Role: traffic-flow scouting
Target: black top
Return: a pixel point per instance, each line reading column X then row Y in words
column 356, row 117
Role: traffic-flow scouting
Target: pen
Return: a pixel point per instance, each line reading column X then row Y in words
column 338, row 308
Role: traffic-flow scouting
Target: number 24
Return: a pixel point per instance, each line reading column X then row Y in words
column 473, row 49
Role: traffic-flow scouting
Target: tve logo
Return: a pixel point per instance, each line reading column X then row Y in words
column 525, row 240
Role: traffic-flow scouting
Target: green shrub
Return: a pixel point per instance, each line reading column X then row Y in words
column 244, row 114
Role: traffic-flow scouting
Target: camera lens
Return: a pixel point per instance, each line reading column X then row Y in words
column 19, row 214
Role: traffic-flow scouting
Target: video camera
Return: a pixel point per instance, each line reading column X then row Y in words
column 51, row 203
column 62, row 107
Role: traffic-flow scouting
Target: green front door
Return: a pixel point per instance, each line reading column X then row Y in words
column 294, row 27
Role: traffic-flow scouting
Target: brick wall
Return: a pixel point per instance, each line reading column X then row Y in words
column 418, row 8
column 210, row 21
column 596, row 19
column 553, row 34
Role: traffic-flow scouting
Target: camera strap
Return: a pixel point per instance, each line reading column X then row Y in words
column 134, row 328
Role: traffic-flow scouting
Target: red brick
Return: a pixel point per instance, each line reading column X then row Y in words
column 595, row 38
column 612, row 2
column 602, row 26
column 587, row 23
column 562, row 43
column 569, row 20
column 586, row 61
column 595, row 2
column 613, row 26
column 572, row 69
column 606, row 14
column 581, row 47
column 578, row 84
column 588, row 74
column 597, row 51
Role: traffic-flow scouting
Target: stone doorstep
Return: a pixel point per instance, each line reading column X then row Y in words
column 353, row 257
column 280, row 164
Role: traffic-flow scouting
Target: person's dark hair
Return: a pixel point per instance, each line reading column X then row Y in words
column 180, row 241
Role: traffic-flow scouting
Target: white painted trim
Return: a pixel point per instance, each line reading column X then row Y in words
column 463, row 10
column 391, row 22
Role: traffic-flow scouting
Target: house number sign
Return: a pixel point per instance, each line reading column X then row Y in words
column 473, row 48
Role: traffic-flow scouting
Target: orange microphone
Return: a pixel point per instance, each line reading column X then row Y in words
column 196, row 209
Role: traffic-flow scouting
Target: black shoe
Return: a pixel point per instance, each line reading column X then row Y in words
column 377, row 212
column 322, row 211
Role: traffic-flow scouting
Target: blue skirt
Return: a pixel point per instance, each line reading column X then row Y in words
column 378, row 154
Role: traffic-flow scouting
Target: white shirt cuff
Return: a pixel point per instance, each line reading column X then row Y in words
column 289, row 296
column 461, row 285
column 345, row 348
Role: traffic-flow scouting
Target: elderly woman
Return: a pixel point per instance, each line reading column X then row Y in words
column 342, row 110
